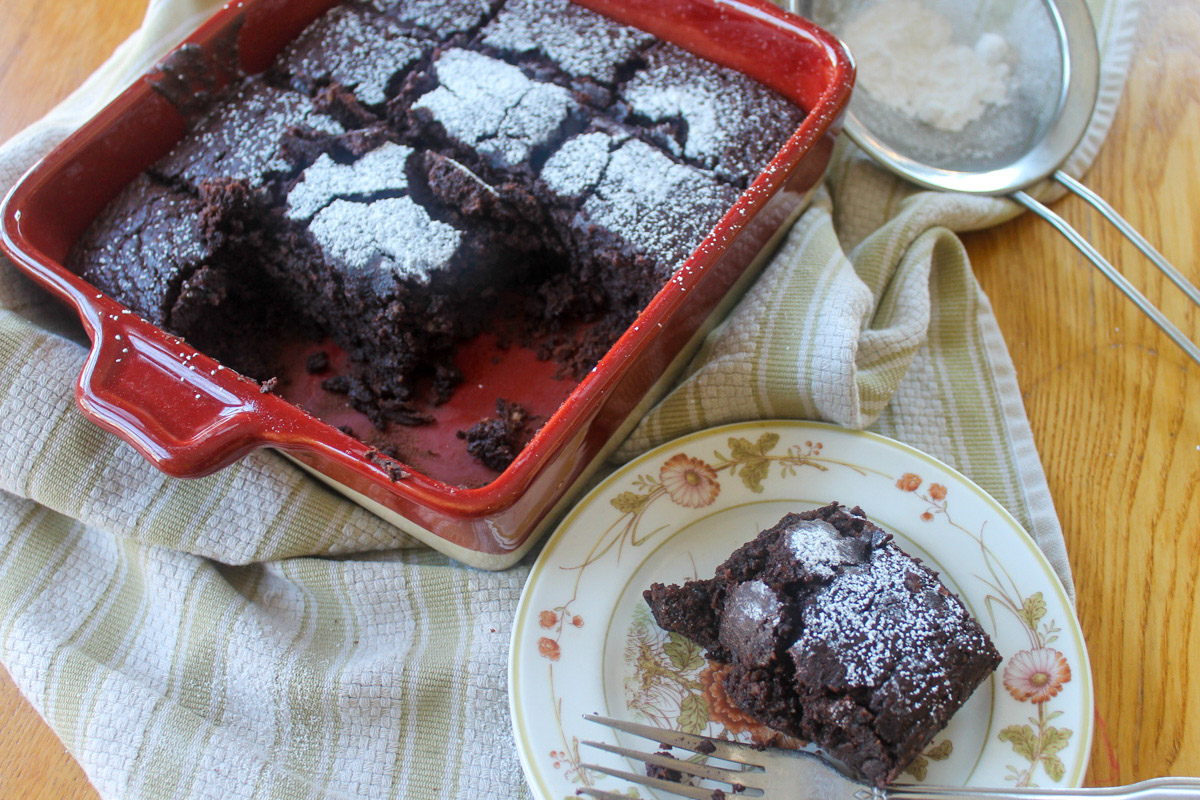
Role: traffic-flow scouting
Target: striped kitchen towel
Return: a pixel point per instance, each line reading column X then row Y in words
column 252, row 634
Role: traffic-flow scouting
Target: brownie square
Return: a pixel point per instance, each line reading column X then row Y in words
column 441, row 18
column 143, row 245
column 492, row 111
column 835, row 636
column 357, row 48
column 577, row 41
column 371, row 234
column 713, row 116
column 241, row 137
column 620, row 197
column 379, row 271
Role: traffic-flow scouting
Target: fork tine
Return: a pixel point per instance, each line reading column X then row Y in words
column 654, row 783
column 731, row 776
column 730, row 751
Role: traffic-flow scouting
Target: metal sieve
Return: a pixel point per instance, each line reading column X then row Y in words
column 1054, row 69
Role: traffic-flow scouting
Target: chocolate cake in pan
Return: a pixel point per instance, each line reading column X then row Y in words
column 409, row 174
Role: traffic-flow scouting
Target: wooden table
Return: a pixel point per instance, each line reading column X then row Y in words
column 1112, row 402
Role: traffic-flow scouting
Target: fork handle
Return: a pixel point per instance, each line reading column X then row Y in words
column 1155, row 789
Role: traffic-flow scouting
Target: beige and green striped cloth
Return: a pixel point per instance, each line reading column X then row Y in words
column 253, row 634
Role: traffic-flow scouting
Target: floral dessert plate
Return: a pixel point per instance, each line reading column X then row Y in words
column 584, row 640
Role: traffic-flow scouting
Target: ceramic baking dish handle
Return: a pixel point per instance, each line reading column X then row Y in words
column 180, row 409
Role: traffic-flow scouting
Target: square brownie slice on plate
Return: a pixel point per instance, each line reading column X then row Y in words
column 836, row 637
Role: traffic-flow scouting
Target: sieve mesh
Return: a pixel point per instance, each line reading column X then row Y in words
column 1050, row 49
column 1003, row 134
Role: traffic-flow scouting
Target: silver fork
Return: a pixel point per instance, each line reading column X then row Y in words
column 774, row 774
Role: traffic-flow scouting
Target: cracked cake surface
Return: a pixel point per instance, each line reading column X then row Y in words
column 835, row 636
column 360, row 50
column 409, row 174
column 623, row 189
column 492, row 108
column 576, row 40
column 239, row 138
column 713, row 117
column 442, row 18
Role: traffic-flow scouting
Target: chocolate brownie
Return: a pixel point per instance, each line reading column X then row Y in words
column 361, row 50
column 380, row 274
column 411, row 173
column 489, row 110
column 442, row 18
column 630, row 209
column 835, row 636
column 143, row 245
column 241, row 137
column 549, row 37
column 714, row 117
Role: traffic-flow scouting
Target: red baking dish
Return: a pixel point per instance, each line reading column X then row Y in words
column 190, row 416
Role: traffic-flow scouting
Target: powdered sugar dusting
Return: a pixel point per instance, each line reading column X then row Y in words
column 153, row 234
column 884, row 616
column 240, row 138
column 392, row 236
column 357, row 51
column 582, row 43
column 493, row 107
column 733, row 125
column 908, row 61
column 661, row 208
column 820, row 549
column 579, row 165
column 381, row 170
column 440, row 16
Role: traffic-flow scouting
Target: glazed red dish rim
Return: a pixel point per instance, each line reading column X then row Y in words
column 276, row 422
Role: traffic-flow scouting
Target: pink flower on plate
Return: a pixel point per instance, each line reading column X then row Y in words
column 1036, row 675
column 689, row 481
column 548, row 648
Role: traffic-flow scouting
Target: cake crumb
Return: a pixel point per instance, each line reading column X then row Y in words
column 317, row 362
column 496, row 442
column 664, row 773
column 388, row 464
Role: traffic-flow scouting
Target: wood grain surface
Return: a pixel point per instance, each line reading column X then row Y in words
column 1113, row 404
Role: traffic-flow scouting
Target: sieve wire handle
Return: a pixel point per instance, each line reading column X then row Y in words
column 1110, row 272
column 1131, row 233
